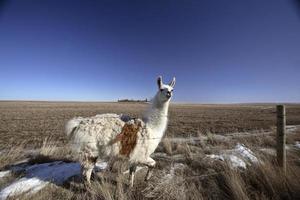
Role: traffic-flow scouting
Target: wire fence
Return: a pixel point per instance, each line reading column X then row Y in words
column 143, row 135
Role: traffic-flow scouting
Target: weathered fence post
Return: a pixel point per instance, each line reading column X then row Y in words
column 281, row 122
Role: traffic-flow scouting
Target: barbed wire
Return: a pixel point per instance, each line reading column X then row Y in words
column 95, row 142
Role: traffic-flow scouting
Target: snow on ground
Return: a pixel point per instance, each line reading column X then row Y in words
column 292, row 128
column 238, row 157
column 297, row 144
column 4, row 173
column 233, row 160
column 100, row 166
column 39, row 175
column 23, row 185
column 245, row 153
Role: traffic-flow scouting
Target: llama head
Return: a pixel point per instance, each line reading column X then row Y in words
column 165, row 91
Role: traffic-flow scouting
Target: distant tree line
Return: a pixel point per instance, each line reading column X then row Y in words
column 132, row 100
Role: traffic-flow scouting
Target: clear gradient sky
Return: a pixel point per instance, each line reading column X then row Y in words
column 220, row 51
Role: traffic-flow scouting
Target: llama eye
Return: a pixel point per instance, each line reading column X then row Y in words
column 161, row 90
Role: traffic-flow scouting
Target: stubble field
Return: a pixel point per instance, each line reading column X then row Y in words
column 208, row 152
column 35, row 121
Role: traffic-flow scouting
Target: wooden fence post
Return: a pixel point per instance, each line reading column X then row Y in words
column 281, row 123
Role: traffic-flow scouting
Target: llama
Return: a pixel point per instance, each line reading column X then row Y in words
column 109, row 136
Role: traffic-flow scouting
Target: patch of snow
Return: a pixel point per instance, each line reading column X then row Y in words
column 297, row 144
column 216, row 157
column 233, row 161
column 19, row 168
column 23, row 185
column 239, row 157
column 39, row 175
column 4, row 173
column 57, row 172
column 287, row 147
column 292, row 128
column 245, row 152
column 99, row 166
column 236, row 162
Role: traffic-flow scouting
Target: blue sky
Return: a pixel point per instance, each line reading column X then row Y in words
column 220, row 51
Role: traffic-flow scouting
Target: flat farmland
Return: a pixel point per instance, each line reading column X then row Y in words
column 209, row 152
column 31, row 122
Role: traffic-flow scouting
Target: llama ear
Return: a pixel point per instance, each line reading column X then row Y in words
column 172, row 82
column 159, row 82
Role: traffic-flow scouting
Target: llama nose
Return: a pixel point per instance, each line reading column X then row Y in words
column 169, row 94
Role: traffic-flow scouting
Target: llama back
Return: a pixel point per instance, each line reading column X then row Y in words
column 94, row 134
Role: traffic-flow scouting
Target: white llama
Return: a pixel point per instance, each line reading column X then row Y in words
column 109, row 136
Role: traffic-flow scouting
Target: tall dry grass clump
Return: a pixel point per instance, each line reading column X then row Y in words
column 268, row 180
column 231, row 184
column 265, row 180
column 12, row 155
column 57, row 151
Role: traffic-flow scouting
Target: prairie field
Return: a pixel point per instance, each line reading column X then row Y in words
column 201, row 156
column 35, row 121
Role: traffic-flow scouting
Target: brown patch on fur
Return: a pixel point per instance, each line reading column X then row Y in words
column 128, row 137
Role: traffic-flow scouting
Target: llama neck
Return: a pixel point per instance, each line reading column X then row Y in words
column 157, row 117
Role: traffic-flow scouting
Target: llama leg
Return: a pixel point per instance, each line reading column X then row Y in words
column 132, row 170
column 150, row 164
column 149, row 173
column 87, row 166
column 110, row 164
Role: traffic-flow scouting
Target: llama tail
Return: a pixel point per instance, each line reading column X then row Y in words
column 71, row 126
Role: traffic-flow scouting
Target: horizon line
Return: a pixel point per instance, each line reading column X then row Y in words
column 173, row 102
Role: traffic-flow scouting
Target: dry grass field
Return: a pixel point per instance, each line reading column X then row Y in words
column 185, row 170
column 35, row 121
